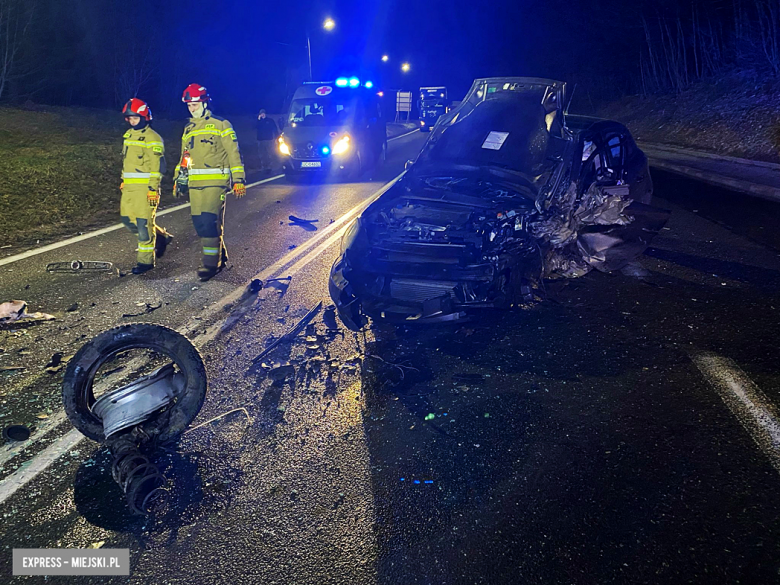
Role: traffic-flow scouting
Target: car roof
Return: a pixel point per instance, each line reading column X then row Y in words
column 534, row 80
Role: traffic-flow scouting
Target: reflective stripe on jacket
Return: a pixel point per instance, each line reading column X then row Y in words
column 143, row 161
column 214, row 155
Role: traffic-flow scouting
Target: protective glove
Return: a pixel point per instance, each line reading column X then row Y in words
column 121, row 185
column 153, row 197
column 176, row 191
column 239, row 189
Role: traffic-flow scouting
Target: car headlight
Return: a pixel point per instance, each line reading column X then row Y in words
column 283, row 148
column 350, row 235
column 341, row 146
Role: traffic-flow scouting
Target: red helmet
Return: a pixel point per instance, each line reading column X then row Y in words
column 195, row 93
column 136, row 107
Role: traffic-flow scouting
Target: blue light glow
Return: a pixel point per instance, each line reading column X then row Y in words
column 354, row 82
column 325, row 150
column 342, row 82
column 369, row 84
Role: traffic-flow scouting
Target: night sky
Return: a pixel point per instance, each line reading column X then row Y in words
column 253, row 54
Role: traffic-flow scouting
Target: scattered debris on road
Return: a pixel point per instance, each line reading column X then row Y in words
column 257, row 285
column 329, row 319
column 57, row 362
column 307, row 224
column 75, row 266
column 281, row 372
column 14, row 311
column 290, row 333
column 150, row 308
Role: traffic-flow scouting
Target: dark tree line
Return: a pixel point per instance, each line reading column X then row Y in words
column 703, row 39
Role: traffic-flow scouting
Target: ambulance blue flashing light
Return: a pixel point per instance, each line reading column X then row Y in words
column 352, row 82
column 325, row 150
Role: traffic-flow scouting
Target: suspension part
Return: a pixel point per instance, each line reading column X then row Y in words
column 139, row 479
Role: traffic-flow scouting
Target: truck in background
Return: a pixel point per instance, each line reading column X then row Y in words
column 433, row 104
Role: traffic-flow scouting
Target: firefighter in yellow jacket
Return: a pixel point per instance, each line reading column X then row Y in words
column 142, row 168
column 210, row 165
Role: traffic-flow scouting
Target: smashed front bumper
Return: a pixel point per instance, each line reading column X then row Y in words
column 401, row 295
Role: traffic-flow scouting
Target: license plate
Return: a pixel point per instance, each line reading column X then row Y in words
column 311, row 164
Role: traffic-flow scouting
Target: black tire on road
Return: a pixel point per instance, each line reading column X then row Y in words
column 77, row 394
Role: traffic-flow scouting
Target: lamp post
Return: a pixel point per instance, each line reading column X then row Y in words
column 406, row 67
column 329, row 24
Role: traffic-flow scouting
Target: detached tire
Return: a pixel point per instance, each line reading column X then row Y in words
column 77, row 394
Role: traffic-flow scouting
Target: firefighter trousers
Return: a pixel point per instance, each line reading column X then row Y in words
column 139, row 217
column 207, row 205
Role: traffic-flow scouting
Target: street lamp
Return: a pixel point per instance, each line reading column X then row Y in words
column 385, row 58
column 328, row 25
column 405, row 67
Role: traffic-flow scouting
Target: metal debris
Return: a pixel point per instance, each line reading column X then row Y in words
column 307, row 224
column 290, row 333
column 75, row 266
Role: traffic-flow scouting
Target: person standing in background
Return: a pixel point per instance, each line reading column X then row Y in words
column 267, row 133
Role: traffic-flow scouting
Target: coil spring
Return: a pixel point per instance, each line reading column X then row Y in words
column 140, row 480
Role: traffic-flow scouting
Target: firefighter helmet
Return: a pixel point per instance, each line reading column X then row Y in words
column 136, row 107
column 195, row 93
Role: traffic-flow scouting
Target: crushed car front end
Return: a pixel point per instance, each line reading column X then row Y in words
column 502, row 197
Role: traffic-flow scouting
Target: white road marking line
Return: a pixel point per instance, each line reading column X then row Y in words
column 402, row 135
column 278, row 268
column 100, row 232
column 746, row 401
column 41, row 461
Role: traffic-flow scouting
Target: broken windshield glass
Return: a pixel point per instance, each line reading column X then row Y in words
column 510, row 123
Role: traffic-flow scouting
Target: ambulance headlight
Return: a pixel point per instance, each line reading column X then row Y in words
column 341, row 146
column 283, row 147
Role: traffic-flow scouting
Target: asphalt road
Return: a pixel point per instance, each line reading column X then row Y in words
column 605, row 435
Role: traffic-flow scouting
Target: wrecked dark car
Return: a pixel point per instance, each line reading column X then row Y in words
column 507, row 192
